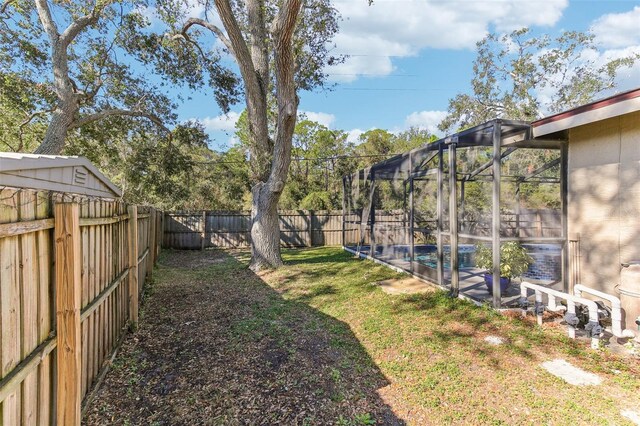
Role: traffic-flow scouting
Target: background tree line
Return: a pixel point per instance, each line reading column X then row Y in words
column 178, row 170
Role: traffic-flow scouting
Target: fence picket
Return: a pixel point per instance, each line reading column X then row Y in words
column 31, row 385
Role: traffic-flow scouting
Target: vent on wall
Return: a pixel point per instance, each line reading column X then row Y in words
column 79, row 176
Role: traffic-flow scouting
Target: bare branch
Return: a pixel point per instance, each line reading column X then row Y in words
column 44, row 13
column 90, row 95
column 238, row 43
column 33, row 115
column 77, row 26
column 119, row 112
column 214, row 29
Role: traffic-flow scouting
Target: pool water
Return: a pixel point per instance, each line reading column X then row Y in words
column 546, row 259
column 466, row 258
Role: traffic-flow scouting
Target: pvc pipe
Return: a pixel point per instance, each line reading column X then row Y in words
column 571, row 308
column 616, row 309
column 590, row 304
column 539, row 303
column 552, row 306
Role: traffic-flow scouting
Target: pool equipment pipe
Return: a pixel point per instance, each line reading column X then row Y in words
column 593, row 327
column 616, row 309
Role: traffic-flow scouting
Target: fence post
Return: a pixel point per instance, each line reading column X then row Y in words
column 159, row 233
column 133, row 266
column 68, row 303
column 310, row 227
column 204, row 229
column 152, row 242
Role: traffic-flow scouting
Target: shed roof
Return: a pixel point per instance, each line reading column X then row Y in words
column 60, row 173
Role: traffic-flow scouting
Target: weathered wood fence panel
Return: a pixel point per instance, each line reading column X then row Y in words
column 298, row 228
column 30, row 366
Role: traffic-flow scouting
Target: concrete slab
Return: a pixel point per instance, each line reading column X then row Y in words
column 570, row 373
column 407, row 285
column 633, row 416
column 494, row 340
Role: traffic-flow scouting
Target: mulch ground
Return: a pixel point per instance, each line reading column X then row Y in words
column 216, row 345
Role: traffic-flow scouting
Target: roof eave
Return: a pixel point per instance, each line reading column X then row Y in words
column 603, row 109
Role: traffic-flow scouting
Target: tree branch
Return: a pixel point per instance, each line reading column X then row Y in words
column 208, row 25
column 77, row 26
column 71, row 32
column 5, row 5
column 44, row 13
column 283, row 29
column 118, row 112
column 185, row 37
column 239, row 45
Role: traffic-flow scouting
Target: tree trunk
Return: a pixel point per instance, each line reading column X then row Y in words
column 56, row 135
column 265, row 228
column 270, row 158
column 68, row 103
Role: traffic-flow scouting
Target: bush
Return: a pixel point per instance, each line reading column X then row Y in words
column 514, row 259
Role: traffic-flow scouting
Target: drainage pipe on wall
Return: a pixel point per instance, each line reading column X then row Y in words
column 593, row 327
column 616, row 309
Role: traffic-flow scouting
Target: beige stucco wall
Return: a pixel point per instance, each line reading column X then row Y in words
column 604, row 197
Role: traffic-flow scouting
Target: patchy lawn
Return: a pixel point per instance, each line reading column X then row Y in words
column 317, row 342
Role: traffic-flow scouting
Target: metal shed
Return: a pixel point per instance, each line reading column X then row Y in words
column 69, row 174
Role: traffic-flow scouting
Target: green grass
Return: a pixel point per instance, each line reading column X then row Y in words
column 431, row 348
column 317, row 342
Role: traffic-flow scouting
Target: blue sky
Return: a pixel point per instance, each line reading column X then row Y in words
column 409, row 57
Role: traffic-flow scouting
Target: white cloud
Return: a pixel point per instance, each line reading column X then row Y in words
column 353, row 135
column 616, row 30
column 618, row 33
column 323, row 118
column 224, row 122
column 428, row 120
column 373, row 34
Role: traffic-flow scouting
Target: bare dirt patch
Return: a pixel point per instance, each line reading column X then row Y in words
column 192, row 259
column 408, row 285
column 216, row 345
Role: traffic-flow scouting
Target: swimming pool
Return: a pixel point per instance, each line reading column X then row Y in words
column 547, row 258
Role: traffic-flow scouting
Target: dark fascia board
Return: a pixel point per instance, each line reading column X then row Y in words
column 480, row 135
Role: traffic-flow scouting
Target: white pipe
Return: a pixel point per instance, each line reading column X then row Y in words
column 539, row 303
column 571, row 308
column 616, row 309
column 552, row 306
column 590, row 304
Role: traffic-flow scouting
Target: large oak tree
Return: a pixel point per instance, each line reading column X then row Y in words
column 280, row 47
column 75, row 60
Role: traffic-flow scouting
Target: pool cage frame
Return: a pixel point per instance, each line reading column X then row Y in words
column 502, row 138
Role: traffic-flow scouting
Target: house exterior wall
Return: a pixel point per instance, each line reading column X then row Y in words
column 604, row 197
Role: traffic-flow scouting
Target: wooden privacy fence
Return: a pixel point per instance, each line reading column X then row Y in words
column 71, row 272
column 298, row 228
